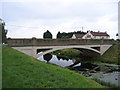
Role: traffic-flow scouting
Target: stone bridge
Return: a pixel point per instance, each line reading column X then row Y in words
column 37, row 47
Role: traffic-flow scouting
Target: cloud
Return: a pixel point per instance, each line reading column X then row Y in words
column 33, row 18
column 63, row 1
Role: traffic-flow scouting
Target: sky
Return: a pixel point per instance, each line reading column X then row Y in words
column 31, row 18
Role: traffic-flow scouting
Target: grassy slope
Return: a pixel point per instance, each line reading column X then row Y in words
column 0, row 66
column 111, row 55
column 22, row 71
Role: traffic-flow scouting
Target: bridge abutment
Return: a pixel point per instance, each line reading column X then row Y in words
column 104, row 48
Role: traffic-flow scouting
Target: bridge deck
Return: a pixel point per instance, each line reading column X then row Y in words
column 14, row 42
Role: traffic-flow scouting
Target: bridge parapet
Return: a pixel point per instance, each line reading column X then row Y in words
column 21, row 42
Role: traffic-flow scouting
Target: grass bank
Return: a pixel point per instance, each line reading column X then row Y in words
column 22, row 71
column 110, row 56
column 0, row 66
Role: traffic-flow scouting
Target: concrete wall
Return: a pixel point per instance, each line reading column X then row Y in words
column 57, row 42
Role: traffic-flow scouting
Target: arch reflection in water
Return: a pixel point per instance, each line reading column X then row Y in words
column 53, row 59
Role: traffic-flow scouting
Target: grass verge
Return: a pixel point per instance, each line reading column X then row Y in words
column 22, row 71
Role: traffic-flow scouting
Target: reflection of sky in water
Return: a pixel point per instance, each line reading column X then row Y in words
column 79, row 64
column 41, row 59
column 61, row 62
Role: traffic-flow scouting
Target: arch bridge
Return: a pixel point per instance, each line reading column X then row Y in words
column 37, row 47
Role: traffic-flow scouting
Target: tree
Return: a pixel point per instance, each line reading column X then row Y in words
column 117, row 34
column 69, row 34
column 4, row 31
column 65, row 37
column 47, row 34
column 58, row 35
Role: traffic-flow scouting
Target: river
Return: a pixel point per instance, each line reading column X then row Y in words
column 105, row 72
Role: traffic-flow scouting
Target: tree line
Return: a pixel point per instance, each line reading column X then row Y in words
column 59, row 35
column 69, row 34
column 46, row 34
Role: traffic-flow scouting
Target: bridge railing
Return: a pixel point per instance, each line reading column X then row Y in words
column 15, row 42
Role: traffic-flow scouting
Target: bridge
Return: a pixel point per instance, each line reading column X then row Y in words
column 37, row 47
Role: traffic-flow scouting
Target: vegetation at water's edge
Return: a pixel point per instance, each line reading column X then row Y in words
column 22, row 71
column 110, row 56
column 68, row 53
column 106, row 83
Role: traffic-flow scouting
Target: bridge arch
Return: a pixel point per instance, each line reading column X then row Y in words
column 29, row 46
column 87, row 51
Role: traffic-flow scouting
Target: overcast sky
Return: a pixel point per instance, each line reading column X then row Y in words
column 31, row 18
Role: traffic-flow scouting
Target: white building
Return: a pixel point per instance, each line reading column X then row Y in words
column 91, row 35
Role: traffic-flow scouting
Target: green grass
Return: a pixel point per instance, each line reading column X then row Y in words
column 111, row 55
column 22, row 71
column 0, row 66
column 68, row 53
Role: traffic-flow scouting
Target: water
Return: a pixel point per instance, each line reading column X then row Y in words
column 60, row 61
column 113, row 77
column 88, row 69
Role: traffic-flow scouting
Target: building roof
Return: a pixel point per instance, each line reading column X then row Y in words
column 79, row 35
column 99, row 33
